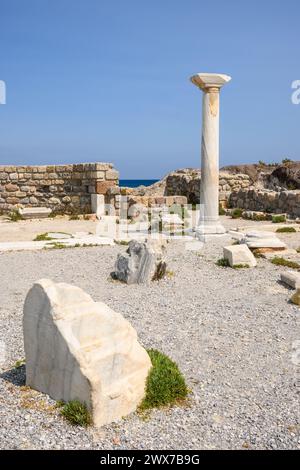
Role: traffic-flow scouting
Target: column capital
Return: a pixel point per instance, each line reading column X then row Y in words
column 210, row 82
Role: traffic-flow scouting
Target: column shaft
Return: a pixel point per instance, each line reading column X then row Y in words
column 210, row 84
column 209, row 195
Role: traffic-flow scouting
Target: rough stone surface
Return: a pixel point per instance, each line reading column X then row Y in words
column 262, row 239
column 271, row 242
column 187, row 182
column 80, row 349
column 270, row 253
column 64, row 188
column 270, row 176
column 239, row 255
column 35, row 212
column 259, row 188
column 287, row 176
column 295, row 299
column 291, row 278
column 267, row 200
column 142, row 263
column 258, row 234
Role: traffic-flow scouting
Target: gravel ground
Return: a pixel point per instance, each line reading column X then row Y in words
column 231, row 332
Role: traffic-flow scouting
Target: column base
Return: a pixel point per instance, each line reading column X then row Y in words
column 210, row 228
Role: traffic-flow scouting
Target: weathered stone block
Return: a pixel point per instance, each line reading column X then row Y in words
column 295, row 299
column 54, row 201
column 80, row 349
column 291, row 278
column 257, row 239
column 33, row 200
column 35, row 212
column 99, row 175
column 143, row 263
column 20, row 194
column 112, row 175
column 239, row 255
column 12, row 200
column 103, row 186
column 103, row 166
column 11, row 187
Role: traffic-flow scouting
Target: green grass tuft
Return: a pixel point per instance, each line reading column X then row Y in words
column 165, row 384
column 121, row 242
column 237, row 213
column 19, row 363
column 56, row 246
column 42, row 237
column 223, row 262
column 259, row 217
column 240, row 266
column 14, row 216
column 286, row 230
column 278, row 219
column 76, row 413
column 279, row 261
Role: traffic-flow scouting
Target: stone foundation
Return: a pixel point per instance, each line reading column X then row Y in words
column 187, row 183
column 63, row 188
column 117, row 196
column 264, row 200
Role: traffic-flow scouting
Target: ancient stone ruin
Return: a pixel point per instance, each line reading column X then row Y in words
column 142, row 263
column 239, row 255
column 78, row 349
column 210, row 84
column 63, row 188
column 268, row 189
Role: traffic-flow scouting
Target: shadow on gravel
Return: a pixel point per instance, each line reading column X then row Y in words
column 16, row 376
column 284, row 285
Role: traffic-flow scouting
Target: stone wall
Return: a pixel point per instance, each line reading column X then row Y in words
column 187, row 182
column 126, row 197
column 63, row 188
column 265, row 200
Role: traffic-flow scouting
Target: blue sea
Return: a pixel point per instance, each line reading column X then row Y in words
column 135, row 183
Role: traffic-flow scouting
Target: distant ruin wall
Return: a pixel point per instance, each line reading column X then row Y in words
column 187, row 183
column 264, row 200
column 63, row 188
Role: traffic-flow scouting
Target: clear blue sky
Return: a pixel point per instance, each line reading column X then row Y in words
column 101, row 80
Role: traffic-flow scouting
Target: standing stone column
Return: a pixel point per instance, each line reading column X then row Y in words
column 210, row 84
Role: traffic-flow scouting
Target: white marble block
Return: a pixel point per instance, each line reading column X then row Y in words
column 35, row 212
column 260, row 239
column 98, row 205
column 273, row 242
column 291, row 278
column 80, row 349
column 257, row 234
column 142, row 263
column 239, row 254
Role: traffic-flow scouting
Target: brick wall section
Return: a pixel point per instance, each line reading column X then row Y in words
column 63, row 188
column 264, row 200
